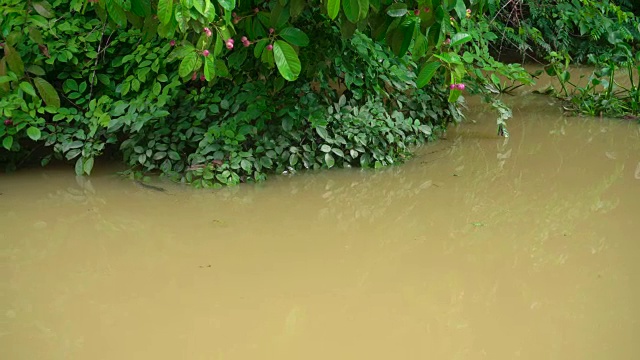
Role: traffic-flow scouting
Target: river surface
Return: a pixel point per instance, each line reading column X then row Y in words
column 477, row 248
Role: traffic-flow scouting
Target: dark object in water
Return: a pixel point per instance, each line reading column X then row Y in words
column 150, row 187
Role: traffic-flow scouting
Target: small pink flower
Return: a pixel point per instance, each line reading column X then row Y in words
column 460, row 86
column 246, row 43
column 243, row 39
column 172, row 43
column 205, row 53
column 229, row 45
column 208, row 32
column 202, row 78
column 272, row 30
column 468, row 11
column 452, row 86
column 269, row 47
column 447, row 41
column 231, row 40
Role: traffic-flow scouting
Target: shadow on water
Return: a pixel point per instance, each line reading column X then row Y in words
column 477, row 248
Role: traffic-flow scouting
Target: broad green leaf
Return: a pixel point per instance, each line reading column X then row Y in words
column 88, row 166
column 116, row 13
column 26, row 87
column 286, row 60
column 364, row 9
column 329, row 160
column 419, row 47
column 188, row 64
column 209, row 68
column 141, row 8
column 246, row 165
column 294, row 36
column 7, row 142
column 79, row 168
column 351, row 10
column 36, row 36
column 401, row 37
column 187, row 4
column 43, row 8
column 34, row 133
column 333, row 7
column 199, row 5
column 36, row 70
column 13, row 60
column 426, row 73
column 322, row 131
column 397, row 10
column 460, row 38
column 47, row 92
column 165, row 11
column 279, row 16
column 461, row 9
column 228, row 5
column 296, row 7
column 454, row 95
column 209, row 10
column 221, row 68
column 325, row 148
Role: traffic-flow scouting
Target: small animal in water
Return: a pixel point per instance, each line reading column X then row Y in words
column 150, row 187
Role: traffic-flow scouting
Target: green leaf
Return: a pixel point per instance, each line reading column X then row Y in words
column 43, row 8
column 325, row 148
column 401, row 37
column 351, row 10
column 116, row 13
column 7, row 142
column 188, row 64
column 36, row 36
column 419, row 47
column 141, row 8
column 296, row 7
column 187, row 4
column 426, row 73
column 36, row 70
column 461, row 10
column 34, row 133
column 13, row 60
column 329, row 160
column 333, row 7
column 227, row 4
column 460, row 38
column 363, row 9
column 26, row 87
column 209, row 68
column 209, row 10
column 162, row 78
column 397, row 10
column 88, row 166
column 286, row 60
column 79, row 168
column 322, row 131
column 200, row 6
column 294, row 36
column 246, row 165
column 165, row 11
column 47, row 92
column 279, row 16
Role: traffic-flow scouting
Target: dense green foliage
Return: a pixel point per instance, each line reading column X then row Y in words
column 219, row 92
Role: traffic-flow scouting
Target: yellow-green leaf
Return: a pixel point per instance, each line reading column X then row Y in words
column 333, row 7
column 351, row 10
column 188, row 64
column 426, row 73
column 286, row 60
column 47, row 92
column 165, row 11
column 26, row 87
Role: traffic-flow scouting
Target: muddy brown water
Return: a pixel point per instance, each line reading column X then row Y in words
column 477, row 248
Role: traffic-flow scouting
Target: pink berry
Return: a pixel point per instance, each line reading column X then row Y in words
column 272, row 30
column 229, row 45
column 460, row 86
column 452, row 86
column 194, row 76
column 205, row 53
column 447, row 41
column 246, row 43
column 231, row 40
column 416, row 12
column 269, row 47
column 202, row 78
column 208, row 32
column 468, row 11
column 243, row 39
column 427, row 10
column 8, row 122
column 172, row 43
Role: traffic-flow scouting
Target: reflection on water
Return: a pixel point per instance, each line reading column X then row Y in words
column 479, row 248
